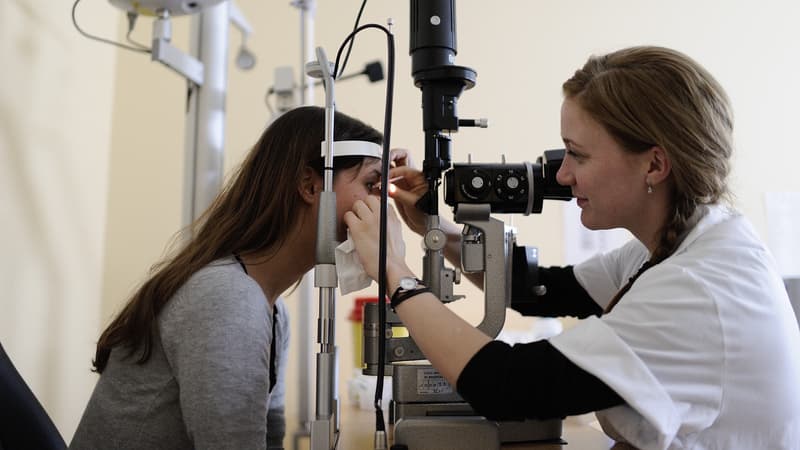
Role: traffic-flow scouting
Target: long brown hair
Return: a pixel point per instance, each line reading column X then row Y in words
column 648, row 96
column 253, row 213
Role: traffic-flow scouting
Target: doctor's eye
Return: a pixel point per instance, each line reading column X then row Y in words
column 575, row 155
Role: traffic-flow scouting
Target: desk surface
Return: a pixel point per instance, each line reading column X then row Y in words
column 358, row 429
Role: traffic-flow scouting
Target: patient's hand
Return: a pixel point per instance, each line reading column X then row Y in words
column 364, row 225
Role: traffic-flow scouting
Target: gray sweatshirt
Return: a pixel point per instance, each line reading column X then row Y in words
column 206, row 384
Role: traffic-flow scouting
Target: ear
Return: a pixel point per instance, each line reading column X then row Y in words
column 309, row 185
column 660, row 166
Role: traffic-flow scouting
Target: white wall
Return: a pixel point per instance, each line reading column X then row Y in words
column 55, row 127
column 522, row 51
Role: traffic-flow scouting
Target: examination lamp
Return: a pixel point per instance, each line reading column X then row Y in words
column 173, row 7
column 245, row 59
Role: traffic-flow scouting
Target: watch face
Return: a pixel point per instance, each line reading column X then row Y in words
column 407, row 283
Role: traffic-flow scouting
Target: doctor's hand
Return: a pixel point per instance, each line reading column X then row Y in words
column 364, row 225
column 409, row 189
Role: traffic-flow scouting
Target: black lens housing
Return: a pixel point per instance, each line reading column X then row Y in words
column 509, row 188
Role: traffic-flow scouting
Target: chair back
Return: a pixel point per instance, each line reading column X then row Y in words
column 24, row 424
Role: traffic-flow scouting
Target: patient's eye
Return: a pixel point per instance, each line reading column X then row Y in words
column 373, row 183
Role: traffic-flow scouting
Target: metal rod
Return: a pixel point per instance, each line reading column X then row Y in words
column 304, row 341
column 205, row 115
column 325, row 425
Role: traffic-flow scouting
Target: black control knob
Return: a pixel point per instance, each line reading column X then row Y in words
column 511, row 184
column 477, row 185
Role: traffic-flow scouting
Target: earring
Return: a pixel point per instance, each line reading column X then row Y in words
column 649, row 188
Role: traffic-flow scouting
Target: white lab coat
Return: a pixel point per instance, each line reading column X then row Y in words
column 704, row 348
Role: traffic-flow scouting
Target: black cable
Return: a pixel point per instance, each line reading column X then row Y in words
column 96, row 38
column 266, row 100
column 355, row 27
column 380, row 425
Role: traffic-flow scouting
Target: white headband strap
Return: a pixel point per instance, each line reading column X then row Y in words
column 354, row 148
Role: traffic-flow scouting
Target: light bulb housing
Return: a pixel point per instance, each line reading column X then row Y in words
column 174, row 7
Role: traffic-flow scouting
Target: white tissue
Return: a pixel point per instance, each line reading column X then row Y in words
column 361, row 392
column 349, row 270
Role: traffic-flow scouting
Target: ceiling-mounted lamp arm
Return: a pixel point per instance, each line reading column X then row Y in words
column 164, row 52
column 245, row 59
column 238, row 20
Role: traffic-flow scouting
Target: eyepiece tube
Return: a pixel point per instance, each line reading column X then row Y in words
column 433, row 34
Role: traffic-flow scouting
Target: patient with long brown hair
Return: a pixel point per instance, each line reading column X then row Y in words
column 197, row 356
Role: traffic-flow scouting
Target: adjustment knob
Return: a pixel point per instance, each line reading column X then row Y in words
column 476, row 185
column 511, row 184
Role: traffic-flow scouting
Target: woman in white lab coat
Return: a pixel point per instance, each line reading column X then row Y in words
column 688, row 339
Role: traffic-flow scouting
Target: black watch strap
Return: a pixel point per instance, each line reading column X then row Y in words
column 400, row 295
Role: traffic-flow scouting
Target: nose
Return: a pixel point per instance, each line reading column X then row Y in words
column 564, row 175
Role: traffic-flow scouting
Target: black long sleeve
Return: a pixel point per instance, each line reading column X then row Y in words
column 564, row 295
column 530, row 381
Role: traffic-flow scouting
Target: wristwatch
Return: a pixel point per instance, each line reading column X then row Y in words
column 409, row 287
